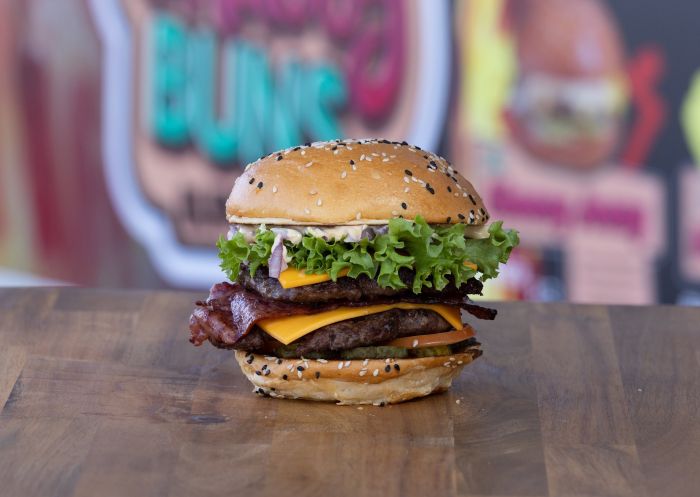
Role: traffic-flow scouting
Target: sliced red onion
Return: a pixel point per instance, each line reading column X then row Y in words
column 277, row 263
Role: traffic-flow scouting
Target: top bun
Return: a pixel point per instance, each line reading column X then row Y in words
column 353, row 182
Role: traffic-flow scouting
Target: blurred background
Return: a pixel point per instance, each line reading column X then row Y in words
column 123, row 124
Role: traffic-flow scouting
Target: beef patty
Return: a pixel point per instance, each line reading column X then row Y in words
column 358, row 332
column 357, row 289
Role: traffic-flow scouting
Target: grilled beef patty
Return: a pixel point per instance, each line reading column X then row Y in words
column 357, row 289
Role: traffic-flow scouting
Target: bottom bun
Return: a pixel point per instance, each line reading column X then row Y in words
column 368, row 381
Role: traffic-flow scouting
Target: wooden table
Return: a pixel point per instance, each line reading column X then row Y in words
column 101, row 394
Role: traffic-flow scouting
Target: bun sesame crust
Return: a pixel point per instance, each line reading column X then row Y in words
column 353, row 182
column 369, row 381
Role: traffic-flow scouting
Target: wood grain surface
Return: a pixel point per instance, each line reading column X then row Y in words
column 102, row 395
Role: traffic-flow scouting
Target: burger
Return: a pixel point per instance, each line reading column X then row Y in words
column 349, row 265
column 569, row 102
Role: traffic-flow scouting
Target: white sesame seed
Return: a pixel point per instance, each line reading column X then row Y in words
column 414, row 179
column 368, row 159
column 465, row 194
column 308, row 164
column 387, row 360
column 322, row 361
column 460, row 362
column 406, row 179
column 303, row 152
column 347, row 364
column 364, row 363
column 394, row 213
column 340, row 365
column 411, row 149
column 456, row 194
column 452, row 359
column 431, row 170
column 415, row 343
column 307, row 211
column 392, row 156
column 375, row 154
column 358, row 215
column 349, row 147
column 354, row 167
column 319, row 202
column 362, row 157
column 363, row 372
column 290, row 367
column 335, row 152
column 274, row 189
column 457, row 401
column 386, row 159
column 343, row 174
column 299, row 373
column 447, row 364
column 313, row 192
column 375, row 372
column 406, row 190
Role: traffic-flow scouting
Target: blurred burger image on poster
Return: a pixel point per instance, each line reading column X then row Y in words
column 543, row 115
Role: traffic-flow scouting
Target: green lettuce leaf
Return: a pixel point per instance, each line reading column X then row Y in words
column 436, row 253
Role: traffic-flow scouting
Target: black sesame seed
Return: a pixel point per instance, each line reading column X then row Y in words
column 408, row 172
column 453, row 178
column 307, row 144
column 387, row 368
column 396, row 367
column 279, row 157
column 404, row 143
column 296, row 148
column 252, row 180
column 430, row 188
column 267, row 372
column 461, row 216
column 250, row 360
column 352, row 162
column 418, row 147
column 449, row 189
column 448, row 219
column 334, row 147
column 258, row 373
column 260, row 184
column 472, row 199
column 264, row 367
column 284, row 376
column 404, row 206
column 279, row 361
column 382, row 404
column 318, row 374
column 425, row 157
column 300, row 368
column 483, row 212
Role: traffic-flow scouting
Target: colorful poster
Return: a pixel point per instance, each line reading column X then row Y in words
column 193, row 92
column 541, row 126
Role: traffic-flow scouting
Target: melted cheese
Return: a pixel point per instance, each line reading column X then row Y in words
column 291, row 328
column 292, row 278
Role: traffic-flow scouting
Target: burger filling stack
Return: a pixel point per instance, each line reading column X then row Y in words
column 350, row 263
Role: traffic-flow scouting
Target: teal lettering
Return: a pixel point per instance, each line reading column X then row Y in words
column 168, row 120
column 215, row 135
column 327, row 92
column 234, row 110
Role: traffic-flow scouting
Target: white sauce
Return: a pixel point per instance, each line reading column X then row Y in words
column 351, row 233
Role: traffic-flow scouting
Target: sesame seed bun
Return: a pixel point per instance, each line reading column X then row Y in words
column 353, row 182
column 353, row 382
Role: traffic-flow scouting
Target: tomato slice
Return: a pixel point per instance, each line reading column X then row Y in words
column 445, row 338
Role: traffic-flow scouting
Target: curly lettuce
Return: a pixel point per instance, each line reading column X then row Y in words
column 437, row 254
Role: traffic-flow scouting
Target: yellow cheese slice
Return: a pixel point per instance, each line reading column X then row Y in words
column 292, row 278
column 291, row 328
